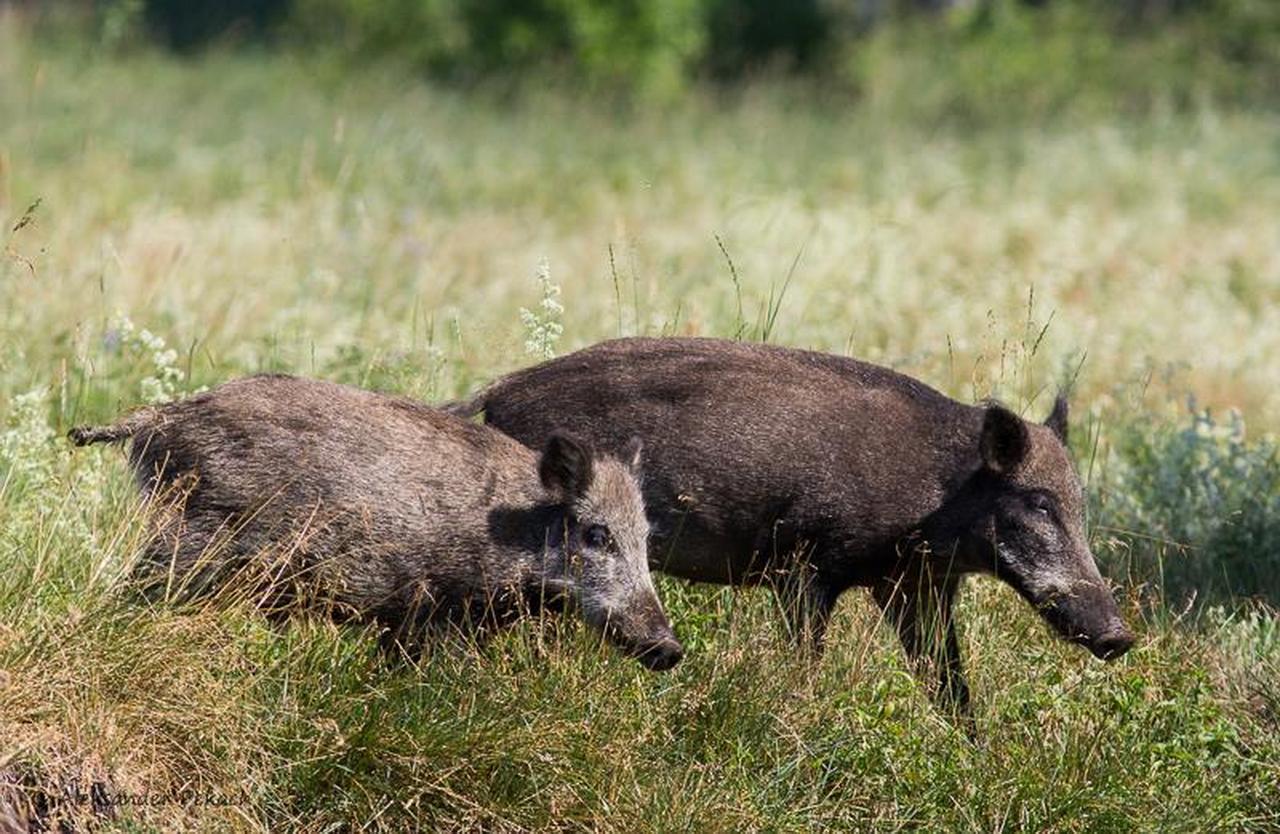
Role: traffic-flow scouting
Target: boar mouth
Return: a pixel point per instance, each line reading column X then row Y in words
column 1107, row 642
column 1111, row 645
column 1086, row 615
column 657, row 654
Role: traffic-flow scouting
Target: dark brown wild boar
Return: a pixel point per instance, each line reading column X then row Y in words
column 392, row 510
column 813, row 473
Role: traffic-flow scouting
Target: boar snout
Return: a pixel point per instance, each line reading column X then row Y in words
column 1114, row 643
column 662, row 655
column 1090, row 618
column 650, row 641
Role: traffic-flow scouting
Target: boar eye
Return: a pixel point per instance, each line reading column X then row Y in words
column 1041, row 504
column 596, row 536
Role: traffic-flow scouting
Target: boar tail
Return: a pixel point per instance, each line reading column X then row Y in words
column 114, row 433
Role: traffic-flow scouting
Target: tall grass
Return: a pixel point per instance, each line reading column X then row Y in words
column 207, row 218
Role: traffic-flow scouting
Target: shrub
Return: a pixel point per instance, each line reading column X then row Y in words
column 187, row 24
column 744, row 35
column 429, row 34
column 974, row 62
column 638, row 44
column 1193, row 510
column 985, row 63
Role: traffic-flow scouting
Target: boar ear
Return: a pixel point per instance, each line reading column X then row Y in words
column 1004, row 440
column 631, row 453
column 1057, row 420
column 565, row 467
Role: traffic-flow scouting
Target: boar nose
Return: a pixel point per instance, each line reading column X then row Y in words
column 1114, row 643
column 661, row 656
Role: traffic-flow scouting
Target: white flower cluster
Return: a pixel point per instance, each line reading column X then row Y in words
column 543, row 330
column 163, row 384
column 24, row 445
column 60, row 495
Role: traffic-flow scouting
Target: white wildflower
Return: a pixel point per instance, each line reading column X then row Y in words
column 25, row 446
column 543, row 329
column 165, row 382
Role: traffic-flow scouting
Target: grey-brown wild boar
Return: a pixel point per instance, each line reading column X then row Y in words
column 814, row 473
column 394, row 511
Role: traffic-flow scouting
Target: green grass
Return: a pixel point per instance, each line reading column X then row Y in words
column 256, row 213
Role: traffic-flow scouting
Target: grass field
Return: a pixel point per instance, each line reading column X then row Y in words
column 178, row 223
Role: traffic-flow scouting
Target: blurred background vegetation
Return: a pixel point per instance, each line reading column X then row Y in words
column 969, row 60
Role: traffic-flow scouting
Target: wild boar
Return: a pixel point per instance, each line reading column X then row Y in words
column 393, row 511
column 813, row 473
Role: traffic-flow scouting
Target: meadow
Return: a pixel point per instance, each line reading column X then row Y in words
column 168, row 224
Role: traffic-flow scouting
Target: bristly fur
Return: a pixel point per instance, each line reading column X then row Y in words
column 389, row 509
column 814, row 473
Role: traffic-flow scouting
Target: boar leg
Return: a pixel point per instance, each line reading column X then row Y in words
column 806, row 604
column 922, row 612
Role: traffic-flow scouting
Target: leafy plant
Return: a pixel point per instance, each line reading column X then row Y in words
column 1193, row 509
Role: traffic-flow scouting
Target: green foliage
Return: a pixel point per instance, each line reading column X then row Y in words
column 1193, row 509
column 992, row 62
column 638, row 44
column 188, row 24
column 428, row 34
column 746, row 36
column 967, row 62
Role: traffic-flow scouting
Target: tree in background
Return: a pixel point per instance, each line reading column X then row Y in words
column 1044, row 51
